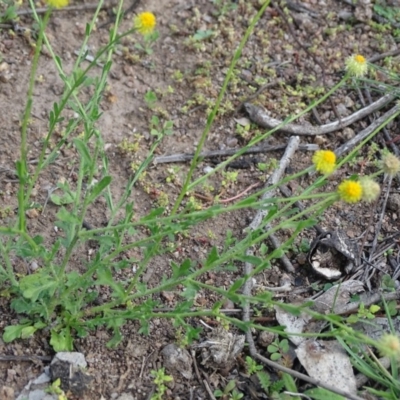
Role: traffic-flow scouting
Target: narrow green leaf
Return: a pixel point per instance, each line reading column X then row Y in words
column 290, row 384
column 256, row 261
column 66, row 198
column 322, row 394
column 66, row 216
column 98, row 188
column 83, row 151
column 213, row 256
column 115, row 340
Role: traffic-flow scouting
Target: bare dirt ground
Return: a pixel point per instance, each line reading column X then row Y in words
column 186, row 75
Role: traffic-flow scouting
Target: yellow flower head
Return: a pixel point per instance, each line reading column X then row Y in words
column 324, row 161
column 390, row 164
column 357, row 66
column 350, row 191
column 389, row 345
column 145, row 22
column 370, row 189
column 57, row 3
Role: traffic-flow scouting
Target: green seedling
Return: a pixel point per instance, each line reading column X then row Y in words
column 251, row 366
column 148, row 42
column 271, row 165
column 150, row 99
column 229, row 178
column 364, row 313
column 10, row 13
column 229, row 392
column 160, row 380
column 55, row 388
column 278, row 348
column 159, row 130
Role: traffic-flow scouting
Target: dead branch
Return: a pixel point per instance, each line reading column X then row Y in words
column 25, row 358
column 275, row 178
column 228, row 152
column 261, row 118
column 292, row 146
column 77, row 7
column 345, row 148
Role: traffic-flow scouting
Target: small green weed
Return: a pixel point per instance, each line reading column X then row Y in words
column 230, row 392
column 251, row 366
column 278, row 348
column 160, row 380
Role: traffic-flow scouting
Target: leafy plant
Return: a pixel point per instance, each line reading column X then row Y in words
column 364, row 313
column 278, row 348
column 10, row 12
column 148, row 42
column 160, row 380
column 150, row 98
column 229, row 392
column 251, row 366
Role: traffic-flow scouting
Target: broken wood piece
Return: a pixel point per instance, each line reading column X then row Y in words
column 228, row 152
column 261, row 118
column 345, row 148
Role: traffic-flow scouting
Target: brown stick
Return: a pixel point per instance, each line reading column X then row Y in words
column 80, row 7
column 261, row 118
column 228, row 152
column 25, row 358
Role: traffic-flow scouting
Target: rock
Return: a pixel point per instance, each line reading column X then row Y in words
column 75, row 358
column 348, row 133
column 177, row 359
column 393, row 203
column 7, row 393
column 39, row 394
column 221, row 349
column 266, row 338
column 68, row 367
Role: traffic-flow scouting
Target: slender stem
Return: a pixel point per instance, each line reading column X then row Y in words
column 214, row 111
column 263, row 137
column 22, row 166
column 71, row 92
column 10, row 272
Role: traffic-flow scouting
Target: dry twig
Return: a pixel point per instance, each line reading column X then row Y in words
column 248, row 267
column 261, row 118
column 76, row 7
column 25, row 358
column 228, row 152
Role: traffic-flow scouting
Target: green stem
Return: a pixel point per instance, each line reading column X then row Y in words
column 9, row 272
column 71, row 92
column 214, row 111
column 22, row 166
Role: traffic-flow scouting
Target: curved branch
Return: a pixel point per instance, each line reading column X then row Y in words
column 261, row 118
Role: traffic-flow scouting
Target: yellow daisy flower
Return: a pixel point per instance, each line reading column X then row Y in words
column 350, row 191
column 370, row 189
column 145, row 22
column 324, row 161
column 357, row 66
column 57, row 3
